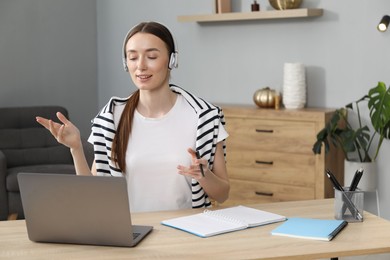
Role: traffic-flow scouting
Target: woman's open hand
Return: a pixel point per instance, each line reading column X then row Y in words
column 66, row 133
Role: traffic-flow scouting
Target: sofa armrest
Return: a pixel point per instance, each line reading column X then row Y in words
column 88, row 151
column 3, row 189
column 3, row 166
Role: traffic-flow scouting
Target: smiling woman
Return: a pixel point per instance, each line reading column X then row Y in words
column 152, row 137
column 147, row 60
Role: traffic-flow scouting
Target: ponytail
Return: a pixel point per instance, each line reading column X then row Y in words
column 123, row 132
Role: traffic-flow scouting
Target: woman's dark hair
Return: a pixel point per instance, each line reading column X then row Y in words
column 154, row 28
column 123, row 132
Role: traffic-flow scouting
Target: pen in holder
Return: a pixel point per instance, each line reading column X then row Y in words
column 348, row 205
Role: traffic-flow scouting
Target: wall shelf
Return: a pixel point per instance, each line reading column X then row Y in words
column 274, row 14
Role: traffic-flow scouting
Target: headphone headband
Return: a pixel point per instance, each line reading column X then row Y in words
column 173, row 57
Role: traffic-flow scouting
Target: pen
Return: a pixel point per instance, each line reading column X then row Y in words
column 337, row 185
column 200, row 165
column 356, row 179
column 353, row 186
column 333, row 179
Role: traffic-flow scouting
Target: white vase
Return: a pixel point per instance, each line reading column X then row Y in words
column 294, row 85
column 368, row 182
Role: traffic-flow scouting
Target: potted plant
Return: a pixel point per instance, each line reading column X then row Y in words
column 361, row 143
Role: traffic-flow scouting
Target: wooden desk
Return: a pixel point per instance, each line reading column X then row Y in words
column 370, row 237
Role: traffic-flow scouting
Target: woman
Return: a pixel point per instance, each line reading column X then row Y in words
column 145, row 136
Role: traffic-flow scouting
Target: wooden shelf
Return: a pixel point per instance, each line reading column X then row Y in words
column 274, row 14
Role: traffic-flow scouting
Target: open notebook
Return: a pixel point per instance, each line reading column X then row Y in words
column 214, row 222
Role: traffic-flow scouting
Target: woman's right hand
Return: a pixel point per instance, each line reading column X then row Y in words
column 66, row 133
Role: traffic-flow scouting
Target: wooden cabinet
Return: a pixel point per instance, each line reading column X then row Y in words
column 270, row 158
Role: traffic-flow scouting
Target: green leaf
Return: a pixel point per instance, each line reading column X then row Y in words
column 379, row 105
column 339, row 132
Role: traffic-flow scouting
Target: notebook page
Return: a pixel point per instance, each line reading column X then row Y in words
column 253, row 217
column 204, row 225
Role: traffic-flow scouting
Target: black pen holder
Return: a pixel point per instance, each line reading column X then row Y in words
column 349, row 205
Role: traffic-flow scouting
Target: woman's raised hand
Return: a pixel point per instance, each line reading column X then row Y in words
column 66, row 133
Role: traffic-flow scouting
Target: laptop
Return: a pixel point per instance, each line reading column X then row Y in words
column 90, row 210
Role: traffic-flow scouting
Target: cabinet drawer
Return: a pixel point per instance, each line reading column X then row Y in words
column 267, row 135
column 269, row 152
column 257, row 192
column 272, row 167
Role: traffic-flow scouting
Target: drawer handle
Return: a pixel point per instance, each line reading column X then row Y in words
column 264, row 162
column 264, row 131
column 262, row 193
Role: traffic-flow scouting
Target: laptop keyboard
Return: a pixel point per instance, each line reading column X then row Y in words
column 135, row 235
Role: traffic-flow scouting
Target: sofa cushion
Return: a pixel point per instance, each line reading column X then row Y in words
column 24, row 117
column 12, row 181
column 25, row 142
column 37, row 156
column 31, row 146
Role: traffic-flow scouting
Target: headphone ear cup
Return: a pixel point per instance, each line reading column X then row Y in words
column 173, row 62
column 125, row 64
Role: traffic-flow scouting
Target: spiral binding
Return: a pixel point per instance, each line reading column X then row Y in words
column 220, row 216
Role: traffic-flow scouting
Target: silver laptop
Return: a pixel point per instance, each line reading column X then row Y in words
column 90, row 210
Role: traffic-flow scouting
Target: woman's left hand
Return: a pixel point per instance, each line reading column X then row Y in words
column 194, row 169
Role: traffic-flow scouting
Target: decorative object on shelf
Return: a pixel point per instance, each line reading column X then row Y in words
column 384, row 23
column 359, row 144
column 278, row 99
column 223, row 6
column 294, row 85
column 267, row 98
column 255, row 6
column 285, row 4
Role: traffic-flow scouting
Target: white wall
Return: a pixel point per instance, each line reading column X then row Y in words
column 48, row 56
column 226, row 62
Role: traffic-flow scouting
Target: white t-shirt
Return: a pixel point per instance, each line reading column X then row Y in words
column 156, row 147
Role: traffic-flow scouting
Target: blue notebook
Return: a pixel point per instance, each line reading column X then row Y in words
column 317, row 229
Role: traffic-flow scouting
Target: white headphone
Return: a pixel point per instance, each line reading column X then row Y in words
column 173, row 58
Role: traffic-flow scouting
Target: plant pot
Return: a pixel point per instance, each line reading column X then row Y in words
column 368, row 182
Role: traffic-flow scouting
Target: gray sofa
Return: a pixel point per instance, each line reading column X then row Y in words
column 26, row 146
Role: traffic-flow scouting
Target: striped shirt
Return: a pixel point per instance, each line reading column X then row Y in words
column 209, row 119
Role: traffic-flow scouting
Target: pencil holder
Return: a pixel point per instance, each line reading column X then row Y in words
column 349, row 205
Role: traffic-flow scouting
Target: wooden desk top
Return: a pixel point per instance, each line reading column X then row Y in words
column 369, row 237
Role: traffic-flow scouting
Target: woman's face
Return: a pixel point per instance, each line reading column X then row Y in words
column 147, row 60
